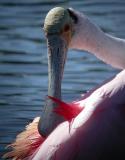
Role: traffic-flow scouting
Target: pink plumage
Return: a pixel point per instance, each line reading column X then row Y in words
column 26, row 142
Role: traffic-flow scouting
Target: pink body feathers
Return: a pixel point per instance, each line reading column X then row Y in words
column 26, row 142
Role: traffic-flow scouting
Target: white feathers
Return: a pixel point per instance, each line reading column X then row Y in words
column 87, row 36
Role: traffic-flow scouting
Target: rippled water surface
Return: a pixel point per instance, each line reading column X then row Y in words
column 23, row 58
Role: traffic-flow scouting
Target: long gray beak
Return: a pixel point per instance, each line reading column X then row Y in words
column 57, row 52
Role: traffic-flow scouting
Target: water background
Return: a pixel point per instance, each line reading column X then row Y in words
column 23, row 58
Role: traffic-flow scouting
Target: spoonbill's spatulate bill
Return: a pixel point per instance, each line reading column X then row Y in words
column 94, row 127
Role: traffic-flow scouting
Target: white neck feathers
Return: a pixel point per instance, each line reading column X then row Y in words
column 89, row 37
column 109, row 49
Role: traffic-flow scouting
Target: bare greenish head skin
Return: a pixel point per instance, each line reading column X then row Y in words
column 56, row 19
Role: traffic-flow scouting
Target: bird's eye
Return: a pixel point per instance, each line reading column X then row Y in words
column 66, row 28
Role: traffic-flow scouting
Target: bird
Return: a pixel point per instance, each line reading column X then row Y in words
column 93, row 127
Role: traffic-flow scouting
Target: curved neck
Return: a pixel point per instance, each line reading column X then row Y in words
column 107, row 48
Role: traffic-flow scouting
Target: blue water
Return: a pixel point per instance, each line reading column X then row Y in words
column 23, row 58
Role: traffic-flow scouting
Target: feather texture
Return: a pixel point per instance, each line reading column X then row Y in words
column 68, row 111
column 26, row 143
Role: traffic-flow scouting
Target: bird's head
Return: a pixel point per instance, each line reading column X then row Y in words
column 58, row 22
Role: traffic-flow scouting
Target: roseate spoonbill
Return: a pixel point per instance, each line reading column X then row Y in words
column 94, row 127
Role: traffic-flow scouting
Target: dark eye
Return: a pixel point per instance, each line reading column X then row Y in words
column 66, row 28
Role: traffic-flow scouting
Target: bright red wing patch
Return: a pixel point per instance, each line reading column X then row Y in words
column 68, row 111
